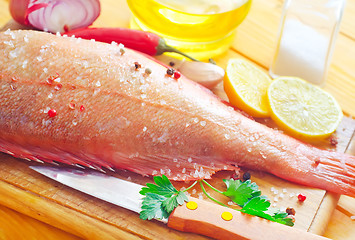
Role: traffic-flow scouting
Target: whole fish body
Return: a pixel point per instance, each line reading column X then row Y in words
column 117, row 109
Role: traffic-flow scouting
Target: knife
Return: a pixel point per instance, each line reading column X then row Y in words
column 205, row 218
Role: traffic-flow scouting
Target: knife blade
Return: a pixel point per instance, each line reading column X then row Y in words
column 206, row 219
column 113, row 190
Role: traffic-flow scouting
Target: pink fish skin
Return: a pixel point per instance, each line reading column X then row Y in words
column 111, row 112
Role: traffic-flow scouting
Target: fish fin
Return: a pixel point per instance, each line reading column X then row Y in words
column 338, row 169
column 177, row 168
column 329, row 170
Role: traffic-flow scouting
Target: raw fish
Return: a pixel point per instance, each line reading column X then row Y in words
column 104, row 106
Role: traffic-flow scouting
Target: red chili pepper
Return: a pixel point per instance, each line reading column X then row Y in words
column 146, row 42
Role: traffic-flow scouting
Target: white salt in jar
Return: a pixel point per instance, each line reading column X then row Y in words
column 306, row 39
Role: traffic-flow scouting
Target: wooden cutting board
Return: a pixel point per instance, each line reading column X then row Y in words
column 34, row 195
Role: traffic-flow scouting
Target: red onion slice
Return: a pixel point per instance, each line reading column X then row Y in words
column 55, row 15
column 18, row 9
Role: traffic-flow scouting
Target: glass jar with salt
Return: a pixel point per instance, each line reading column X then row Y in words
column 306, row 39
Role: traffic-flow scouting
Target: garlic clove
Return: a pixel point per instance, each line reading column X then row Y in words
column 206, row 74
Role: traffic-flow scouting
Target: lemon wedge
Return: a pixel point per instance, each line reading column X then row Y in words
column 302, row 109
column 246, row 87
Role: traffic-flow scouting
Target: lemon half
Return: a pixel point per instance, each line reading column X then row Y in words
column 302, row 109
column 246, row 87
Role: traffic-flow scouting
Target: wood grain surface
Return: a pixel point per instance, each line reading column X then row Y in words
column 58, row 212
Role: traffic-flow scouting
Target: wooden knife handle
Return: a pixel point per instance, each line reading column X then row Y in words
column 207, row 220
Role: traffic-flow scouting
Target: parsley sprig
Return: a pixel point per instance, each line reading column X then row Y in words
column 161, row 198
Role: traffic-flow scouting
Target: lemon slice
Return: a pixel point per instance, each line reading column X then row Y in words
column 302, row 109
column 246, row 87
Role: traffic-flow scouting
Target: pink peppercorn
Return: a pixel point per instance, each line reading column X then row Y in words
column 52, row 113
column 301, row 197
column 177, row 75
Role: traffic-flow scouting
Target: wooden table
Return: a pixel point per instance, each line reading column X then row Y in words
column 255, row 41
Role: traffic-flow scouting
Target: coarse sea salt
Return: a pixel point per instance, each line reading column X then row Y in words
column 13, row 54
column 12, row 35
column 7, row 32
column 9, row 43
column 24, row 64
column 85, row 64
column 46, row 110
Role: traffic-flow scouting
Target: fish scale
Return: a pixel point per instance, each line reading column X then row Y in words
column 111, row 113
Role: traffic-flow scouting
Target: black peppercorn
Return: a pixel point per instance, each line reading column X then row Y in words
column 137, row 65
column 170, row 71
column 246, row 176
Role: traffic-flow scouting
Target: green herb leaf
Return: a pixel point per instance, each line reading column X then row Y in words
column 160, row 199
column 281, row 217
column 241, row 192
column 259, row 206
column 171, row 203
column 152, row 207
column 162, row 187
column 256, row 205
column 248, row 196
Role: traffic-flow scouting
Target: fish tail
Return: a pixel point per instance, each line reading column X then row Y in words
column 339, row 171
column 329, row 170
